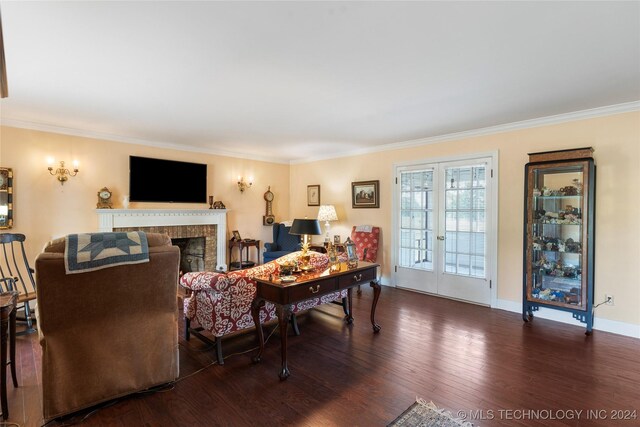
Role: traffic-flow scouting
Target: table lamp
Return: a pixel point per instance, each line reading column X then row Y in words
column 305, row 228
column 327, row 213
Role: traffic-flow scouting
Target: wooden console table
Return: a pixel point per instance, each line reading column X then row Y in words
column 243, row 244
column 8, row 319
column 313, row 284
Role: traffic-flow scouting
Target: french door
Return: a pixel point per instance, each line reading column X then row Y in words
column 443, row 223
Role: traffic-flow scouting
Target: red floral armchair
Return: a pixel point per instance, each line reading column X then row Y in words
column 220, row 303
column 366, row 238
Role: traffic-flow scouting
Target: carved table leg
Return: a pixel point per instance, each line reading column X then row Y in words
column 349, row 317
column 284, row 316
column 255, row 313
column 376, row 294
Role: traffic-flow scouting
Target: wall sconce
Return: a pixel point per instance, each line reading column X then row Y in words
column 61, row 172
column 242, row 185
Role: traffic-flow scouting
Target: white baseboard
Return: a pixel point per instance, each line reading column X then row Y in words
column 600, row 324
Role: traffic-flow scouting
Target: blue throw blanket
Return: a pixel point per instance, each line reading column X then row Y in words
column 94, row 251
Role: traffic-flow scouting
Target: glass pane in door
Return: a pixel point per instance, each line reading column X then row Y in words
column 465, row 221
column 416, row 219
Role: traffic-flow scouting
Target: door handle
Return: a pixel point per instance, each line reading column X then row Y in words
column 440, row 237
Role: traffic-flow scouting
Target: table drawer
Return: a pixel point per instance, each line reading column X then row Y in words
column 309, row 290
column 357, row 277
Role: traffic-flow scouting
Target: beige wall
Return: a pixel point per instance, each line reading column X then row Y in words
column 616, row 140
column 44, row 209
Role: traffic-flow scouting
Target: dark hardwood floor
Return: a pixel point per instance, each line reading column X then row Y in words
column 485, row 363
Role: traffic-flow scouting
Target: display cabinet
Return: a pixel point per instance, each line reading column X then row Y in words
column 559, row 233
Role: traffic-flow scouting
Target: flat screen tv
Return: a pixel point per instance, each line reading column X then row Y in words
column 157, row 180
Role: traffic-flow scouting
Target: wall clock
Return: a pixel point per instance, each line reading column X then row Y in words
column 269, row 219
column 104, row 199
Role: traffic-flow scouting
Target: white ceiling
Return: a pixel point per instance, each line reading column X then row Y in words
column 296, row 80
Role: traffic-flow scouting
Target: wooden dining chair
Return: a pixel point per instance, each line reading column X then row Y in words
column 14, row 264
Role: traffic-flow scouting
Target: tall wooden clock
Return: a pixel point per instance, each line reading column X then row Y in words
column 268, row 219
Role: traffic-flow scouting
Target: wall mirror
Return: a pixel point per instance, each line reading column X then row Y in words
column 6, row 198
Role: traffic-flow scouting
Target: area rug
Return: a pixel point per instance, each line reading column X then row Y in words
column 423, row 414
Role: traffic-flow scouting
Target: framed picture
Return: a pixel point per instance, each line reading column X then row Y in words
column 365, row 194
column 313, row 195
column 336, row 239
column 352, row 256
column 236, row 235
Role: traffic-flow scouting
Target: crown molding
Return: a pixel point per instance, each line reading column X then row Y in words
column 23, row 124
column 508, row 127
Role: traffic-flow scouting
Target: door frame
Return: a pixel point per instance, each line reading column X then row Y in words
column 492, row 240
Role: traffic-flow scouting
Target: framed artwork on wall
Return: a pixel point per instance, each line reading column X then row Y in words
column 365, row 194
column 313, row 195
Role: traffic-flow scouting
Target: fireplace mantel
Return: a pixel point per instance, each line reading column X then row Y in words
column 108, row 219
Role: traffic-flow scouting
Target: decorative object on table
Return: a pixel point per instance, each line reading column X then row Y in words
column 313, row 195
column 6, row 198
column 334, row 263
column 352, row 256
column 61, row 172
column 210, row 202
column 104, row 199
column 125, row 202
column 268, row 218
column 365, row 194
column 243, row 185
column 305, row 228
column 422, row 413
column 236, row 235
column 559, row 234
column 218, row 205
column 287, row 267
column 327, row 213
column 336, row 239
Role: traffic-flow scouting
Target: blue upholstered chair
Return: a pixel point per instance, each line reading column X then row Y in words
column 283, row 243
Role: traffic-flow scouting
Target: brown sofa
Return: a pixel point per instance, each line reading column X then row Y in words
column 106, row 333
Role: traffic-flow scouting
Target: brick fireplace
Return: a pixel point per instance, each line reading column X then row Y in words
column 178, row 224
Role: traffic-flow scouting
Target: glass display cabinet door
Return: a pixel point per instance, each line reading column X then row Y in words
column 558, row 252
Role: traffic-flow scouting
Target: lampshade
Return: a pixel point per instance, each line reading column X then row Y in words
column 305, row 226
column 327, row 213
